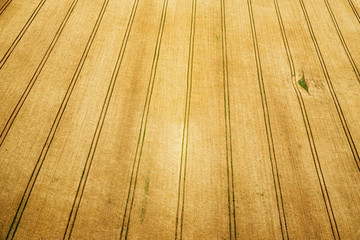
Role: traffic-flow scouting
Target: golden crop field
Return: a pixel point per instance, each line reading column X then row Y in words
column 180, row 119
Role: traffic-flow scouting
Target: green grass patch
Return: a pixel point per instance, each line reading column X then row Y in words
column 303, row 84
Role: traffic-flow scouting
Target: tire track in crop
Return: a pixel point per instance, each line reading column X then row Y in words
column 331, row 88
column 271, row 148
column 44, row 151
column 35, row 76
column 142, row 132
column 353, row 8
column 229, row 159
column 343, row 43
column 184, row 144
column 21, row 34
column 95, row 140
column 6, row 4
column 314, row 153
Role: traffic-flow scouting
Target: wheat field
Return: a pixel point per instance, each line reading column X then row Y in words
column 179, row 119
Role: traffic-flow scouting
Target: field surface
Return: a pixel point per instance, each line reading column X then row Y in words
column 180, row 119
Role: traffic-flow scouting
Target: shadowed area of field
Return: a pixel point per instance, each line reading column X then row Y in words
column 169, row 119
